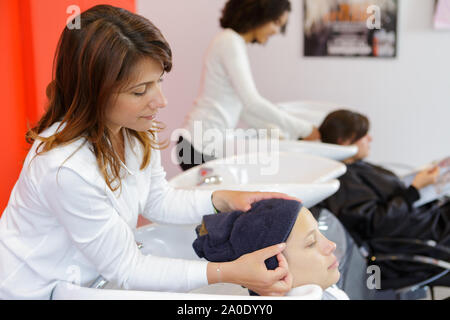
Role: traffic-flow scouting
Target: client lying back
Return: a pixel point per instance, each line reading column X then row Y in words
column 226, row 236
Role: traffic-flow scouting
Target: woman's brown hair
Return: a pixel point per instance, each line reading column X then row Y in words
column 91, row 63
column 343, row 125
column 245, row 15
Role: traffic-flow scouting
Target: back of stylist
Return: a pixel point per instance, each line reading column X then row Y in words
column 94, row 165
column 228, row 91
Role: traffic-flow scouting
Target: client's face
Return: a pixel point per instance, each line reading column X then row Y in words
column 310, row 254
column 363, row 145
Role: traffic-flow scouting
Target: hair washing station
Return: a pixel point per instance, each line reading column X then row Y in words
column 313, row 180
column 175, row 241
column 303, row 174
column 308, row 177
column 311, row 111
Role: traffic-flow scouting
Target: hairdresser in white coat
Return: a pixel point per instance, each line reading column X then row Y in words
column 228, row 92
column 95, row 165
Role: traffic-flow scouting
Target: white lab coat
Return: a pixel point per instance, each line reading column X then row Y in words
column 62, row 222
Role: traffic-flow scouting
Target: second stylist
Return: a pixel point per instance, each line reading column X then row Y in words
column 228, row 92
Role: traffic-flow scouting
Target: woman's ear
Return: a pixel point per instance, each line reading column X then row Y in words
column 343, row 142
column 202, row 230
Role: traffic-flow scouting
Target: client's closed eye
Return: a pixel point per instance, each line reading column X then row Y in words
column 311, row 244
column 310, row 240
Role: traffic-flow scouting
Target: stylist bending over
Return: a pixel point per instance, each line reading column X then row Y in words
column 95, row 165
column 228, row 92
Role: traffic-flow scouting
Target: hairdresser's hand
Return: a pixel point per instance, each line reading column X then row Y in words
column 250, row 271
column 314, row 135
column 425, row 178
column 226, row 200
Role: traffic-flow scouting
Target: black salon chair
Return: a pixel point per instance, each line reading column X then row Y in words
column 355, row 260
column 413, row 285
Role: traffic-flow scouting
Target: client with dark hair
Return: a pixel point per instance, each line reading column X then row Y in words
column 373, row 203
column 314, row 268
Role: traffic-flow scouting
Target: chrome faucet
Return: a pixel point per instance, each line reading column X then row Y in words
column 206, row 177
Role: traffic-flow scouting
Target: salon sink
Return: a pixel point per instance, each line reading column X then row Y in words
column 315, row 112
column 68, row 291
column 311, row 111
column 327, row 150
column 310, row 178
column 307, row 177
column 170, row 241
column 310, row 193
column 175, row 241
column 237, row 146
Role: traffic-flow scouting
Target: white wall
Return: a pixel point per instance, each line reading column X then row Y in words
column 407, row 99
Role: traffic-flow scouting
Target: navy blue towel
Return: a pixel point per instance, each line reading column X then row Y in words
column 227, row 236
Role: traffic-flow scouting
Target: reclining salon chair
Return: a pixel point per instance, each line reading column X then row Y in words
column 355, row 261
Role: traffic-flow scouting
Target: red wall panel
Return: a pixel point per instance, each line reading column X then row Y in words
column 13, row 102
column 29, row 33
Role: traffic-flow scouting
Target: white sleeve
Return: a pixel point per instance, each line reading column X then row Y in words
column 106, row 240
column 258, row 123
column 169, row 205
column 235, row 60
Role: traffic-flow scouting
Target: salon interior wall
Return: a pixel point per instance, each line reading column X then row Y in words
column 407, row 99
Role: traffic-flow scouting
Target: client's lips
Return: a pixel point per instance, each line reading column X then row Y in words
column 334, row 265
column 149, row 117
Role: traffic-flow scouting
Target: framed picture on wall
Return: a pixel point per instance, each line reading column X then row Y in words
column 350, row 28
column 442, row 15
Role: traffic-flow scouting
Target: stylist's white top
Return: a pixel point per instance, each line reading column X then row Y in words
column 62, row 222
column 228, row 91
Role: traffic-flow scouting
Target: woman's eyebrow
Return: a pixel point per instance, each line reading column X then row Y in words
column 141, row 84
column 146, row 83
column 310, row 233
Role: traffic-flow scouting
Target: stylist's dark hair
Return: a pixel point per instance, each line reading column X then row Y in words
column 343, row 125
column 245, row 15
column 92, row 64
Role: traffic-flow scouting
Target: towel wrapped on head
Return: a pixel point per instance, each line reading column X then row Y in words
column 226, row 236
